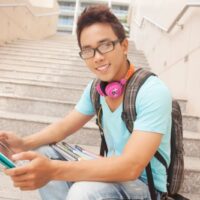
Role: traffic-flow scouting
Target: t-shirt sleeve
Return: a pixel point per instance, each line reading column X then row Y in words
column 85, row 105
column 153, row 107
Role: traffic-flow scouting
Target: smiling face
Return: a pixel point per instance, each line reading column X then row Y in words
column 112, row 65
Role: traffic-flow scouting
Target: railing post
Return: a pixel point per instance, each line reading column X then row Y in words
column 110, row 3
column 77, row 8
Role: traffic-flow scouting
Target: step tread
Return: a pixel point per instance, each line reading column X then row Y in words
column 186, row 134
column 189, row 115
column 192, row 163
column 46, row 71
column 191, row 135
column 37, row 118
column 184, row 99
column 49, row 83
column 34, row 83
column 44, row 65
column 36, row 99
column 191, row 196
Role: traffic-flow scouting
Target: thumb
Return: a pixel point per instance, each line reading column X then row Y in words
column 3, row 135
column 28, row 155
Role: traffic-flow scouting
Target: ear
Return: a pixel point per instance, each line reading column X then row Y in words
column 124, row 45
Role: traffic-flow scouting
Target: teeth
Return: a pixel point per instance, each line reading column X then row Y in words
column 103, row 68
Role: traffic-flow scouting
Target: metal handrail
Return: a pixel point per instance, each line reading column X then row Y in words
column 178, row 17
column 28, row 8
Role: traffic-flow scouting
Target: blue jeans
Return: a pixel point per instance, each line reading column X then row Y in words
column 88, row 190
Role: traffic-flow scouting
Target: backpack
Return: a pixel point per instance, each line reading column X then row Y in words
column 175, row 171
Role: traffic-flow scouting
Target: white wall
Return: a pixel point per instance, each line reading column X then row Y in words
column 175, row 56
column 162, row 12
column 43, row 3
column 20, row 19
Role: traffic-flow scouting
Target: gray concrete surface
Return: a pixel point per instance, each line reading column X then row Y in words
column 9, row 192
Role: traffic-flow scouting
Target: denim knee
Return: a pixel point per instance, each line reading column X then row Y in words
column 81, row 191
column 95, row 191
column 49, row 152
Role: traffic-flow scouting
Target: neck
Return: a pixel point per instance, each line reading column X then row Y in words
column 123, row 72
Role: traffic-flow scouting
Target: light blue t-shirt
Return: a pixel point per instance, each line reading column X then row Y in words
column 153, row 107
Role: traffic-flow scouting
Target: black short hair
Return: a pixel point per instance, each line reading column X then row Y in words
column 99, row 14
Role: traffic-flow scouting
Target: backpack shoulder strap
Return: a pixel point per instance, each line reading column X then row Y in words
column 131, row 90
column 94, row 95
column 129, row 113
column 95, row 98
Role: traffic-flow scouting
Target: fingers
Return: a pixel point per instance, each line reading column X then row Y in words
column 3, row 135
column 29, row 176
column 27, row 181
column 29, row 155
column 24, row 177
column 25, row 185
column 18, row 171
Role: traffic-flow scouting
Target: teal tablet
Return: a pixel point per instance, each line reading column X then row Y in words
column 6, row 162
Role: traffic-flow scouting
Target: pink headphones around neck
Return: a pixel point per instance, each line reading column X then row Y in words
column 114, row 89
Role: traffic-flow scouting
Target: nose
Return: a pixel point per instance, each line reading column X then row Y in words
column 98, row 56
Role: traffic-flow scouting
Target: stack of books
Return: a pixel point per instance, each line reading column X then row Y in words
column 73, row 152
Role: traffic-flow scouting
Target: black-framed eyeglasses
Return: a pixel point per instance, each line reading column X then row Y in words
column 103, row 48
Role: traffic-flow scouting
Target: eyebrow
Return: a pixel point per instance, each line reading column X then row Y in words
column 99, row 42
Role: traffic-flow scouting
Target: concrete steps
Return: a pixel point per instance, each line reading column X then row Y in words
column 53, row 108
column 24, row 50
column 47, row 78
column 190, row 123
column 27, row 63
column 55, row 51
column 45, row 71
column 59, row 108
column 34, row 105
column 191, row 196
column 191, row 182
column 42, row 80
column 191, row 144
column 24, row 88
column 26, row 124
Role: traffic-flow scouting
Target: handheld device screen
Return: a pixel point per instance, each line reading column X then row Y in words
column 5, row 156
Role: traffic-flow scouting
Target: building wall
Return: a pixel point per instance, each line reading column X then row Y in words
column 66, row 19
column 27, row 19
column 174, row 56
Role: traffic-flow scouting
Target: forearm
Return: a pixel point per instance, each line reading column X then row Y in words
column 52, row 133
column 104, row 169
column 57, row 131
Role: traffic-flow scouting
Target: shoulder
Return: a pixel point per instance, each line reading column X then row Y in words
column 154, row 88
column 154, row 97
column 87, row 90
column 85, row 105
column 153, row 106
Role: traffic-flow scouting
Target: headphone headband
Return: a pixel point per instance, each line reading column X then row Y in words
column 114, row 89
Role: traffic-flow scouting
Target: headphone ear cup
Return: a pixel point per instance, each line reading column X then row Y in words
column 114, row 89
column 101, row 88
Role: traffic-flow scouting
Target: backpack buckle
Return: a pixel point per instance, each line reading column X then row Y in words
column 164, row 196
column 124, row 116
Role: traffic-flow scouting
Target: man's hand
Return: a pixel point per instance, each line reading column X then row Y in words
column 13, row 141
column 33, row 175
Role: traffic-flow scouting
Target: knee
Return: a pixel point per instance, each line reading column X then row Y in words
column 47, row 151
column 43, row 149
column 80, row 191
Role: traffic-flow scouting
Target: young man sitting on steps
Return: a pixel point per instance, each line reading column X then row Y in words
column 120, row 175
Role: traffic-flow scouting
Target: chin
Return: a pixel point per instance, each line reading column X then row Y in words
column 105, row 79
